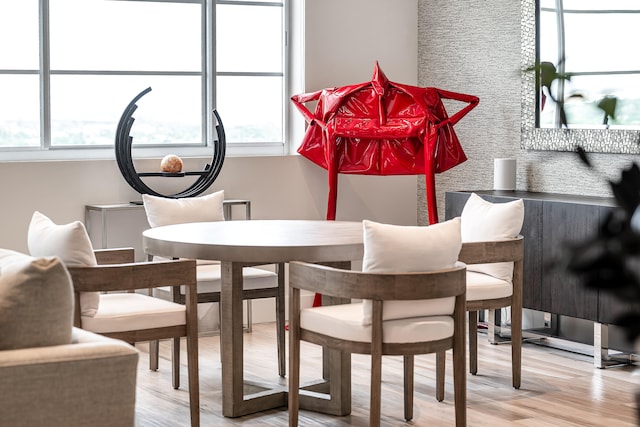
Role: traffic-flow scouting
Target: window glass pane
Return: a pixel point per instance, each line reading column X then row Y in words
column 85, row 110
column 251, row 108
column 125, row 35
column 584, row 112
column 19, row 34
column 19, row 111
column 595, row 4
column 252, row 1
column 249, row 38
column 602, row 49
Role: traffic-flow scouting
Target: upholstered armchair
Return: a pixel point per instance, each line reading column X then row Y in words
column 51, row 373
column 413, row 291
column 493, row 251
column 103, row 284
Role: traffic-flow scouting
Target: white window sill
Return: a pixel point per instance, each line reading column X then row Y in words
column 232, row 150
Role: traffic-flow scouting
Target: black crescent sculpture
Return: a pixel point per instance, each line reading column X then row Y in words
column 125, row 162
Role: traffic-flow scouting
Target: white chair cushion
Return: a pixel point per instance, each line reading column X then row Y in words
column 121, row 312
column 344, row 321
column 71, row 243
column 486, row 221
column 157, row 258
column 484, row 286
column 395, row 249
column 209, row 278
column 36, row 301
column 164, row 211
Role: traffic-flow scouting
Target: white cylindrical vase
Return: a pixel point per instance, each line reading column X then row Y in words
column 504, row 174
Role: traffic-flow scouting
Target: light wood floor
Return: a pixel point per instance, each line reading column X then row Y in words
column 558, row 389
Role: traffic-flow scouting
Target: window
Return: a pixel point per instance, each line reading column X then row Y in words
column 588, row 40
column 65, row 90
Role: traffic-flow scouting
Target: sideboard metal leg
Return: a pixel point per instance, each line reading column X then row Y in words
column 600, row 344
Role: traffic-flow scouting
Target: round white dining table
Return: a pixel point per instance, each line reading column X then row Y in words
column 239, row 244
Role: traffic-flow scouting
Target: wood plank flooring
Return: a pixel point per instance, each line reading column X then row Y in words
column 558, row 389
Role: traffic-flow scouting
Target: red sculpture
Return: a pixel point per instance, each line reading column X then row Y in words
column 382, row 128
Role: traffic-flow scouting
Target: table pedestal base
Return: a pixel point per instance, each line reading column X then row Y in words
column 331, row 395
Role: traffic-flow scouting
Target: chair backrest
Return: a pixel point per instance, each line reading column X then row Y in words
column 378, row 286
column 165, row 211
column 499, row 251
column 508, row 250
column 484, row 221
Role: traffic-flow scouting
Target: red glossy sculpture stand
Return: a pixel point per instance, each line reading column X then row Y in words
column 382, row 128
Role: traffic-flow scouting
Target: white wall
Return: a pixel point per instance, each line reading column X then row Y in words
column 343, row 39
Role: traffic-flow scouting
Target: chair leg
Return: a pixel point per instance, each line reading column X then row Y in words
column 280, row 322
column 175, row 363
column 516, row 345
column 294, row 359
column 408, row 386
column 473, row 342
column 440, row 368
column 460, row 382
column 376, row 390
column 193, row 374
column 154, row 349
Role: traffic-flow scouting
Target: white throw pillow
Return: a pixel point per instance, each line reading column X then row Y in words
column 71, row 243
column 398, row 249
column 164, row 211
column 36, row 301
column 485, row 221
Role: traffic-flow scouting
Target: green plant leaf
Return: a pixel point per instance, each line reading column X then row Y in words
column 608, row 105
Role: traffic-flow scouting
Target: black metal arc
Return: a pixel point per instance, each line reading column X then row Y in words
column 125, row 162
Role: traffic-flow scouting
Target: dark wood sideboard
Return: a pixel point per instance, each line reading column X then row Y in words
column 551, row 221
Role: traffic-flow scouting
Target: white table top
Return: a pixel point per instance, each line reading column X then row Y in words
column 258, row 241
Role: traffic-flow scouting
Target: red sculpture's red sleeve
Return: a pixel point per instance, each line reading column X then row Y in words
column 299, row 100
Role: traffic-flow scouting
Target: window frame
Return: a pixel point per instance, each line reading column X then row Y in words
column 45, row 151
column 562, row 93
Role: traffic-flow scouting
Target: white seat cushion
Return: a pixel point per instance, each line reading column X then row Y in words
column 165, row 211
column 344, row 321
column 484, row 286
column 119, row 312
column 209, row 279
column 394, row 248
column 482, row 221
column 70, row 242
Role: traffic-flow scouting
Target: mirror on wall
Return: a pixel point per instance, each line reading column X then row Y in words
column 590, row 40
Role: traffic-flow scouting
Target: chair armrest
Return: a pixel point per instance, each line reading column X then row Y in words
column 510, row 250
column 114, row 256
column 142, row 275
column 60, row 385
column 377, row 286
column 125, row 277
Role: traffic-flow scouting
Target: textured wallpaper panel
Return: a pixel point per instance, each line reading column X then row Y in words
column 473, row 47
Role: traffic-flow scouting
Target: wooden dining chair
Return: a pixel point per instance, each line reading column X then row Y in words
column 341, row 326
column 486, row 292
column 106, row 303
column 413, row 295
column 134, row 317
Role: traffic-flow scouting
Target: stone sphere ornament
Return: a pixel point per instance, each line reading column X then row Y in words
column 171, row 164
